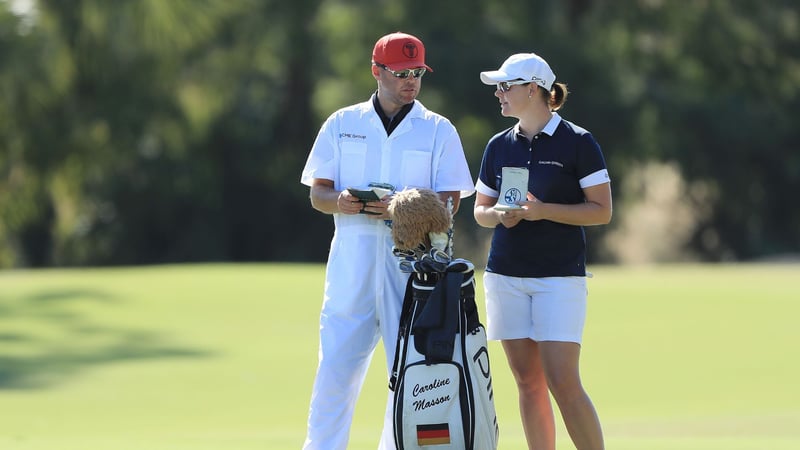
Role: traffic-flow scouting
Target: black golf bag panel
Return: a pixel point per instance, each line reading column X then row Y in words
column 443, row 397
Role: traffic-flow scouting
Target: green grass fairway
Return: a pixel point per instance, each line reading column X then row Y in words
column 222, row 357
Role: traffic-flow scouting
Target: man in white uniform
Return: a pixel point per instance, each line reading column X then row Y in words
column 390, row 139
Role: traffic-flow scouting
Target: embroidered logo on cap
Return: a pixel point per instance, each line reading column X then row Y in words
column 410, row 50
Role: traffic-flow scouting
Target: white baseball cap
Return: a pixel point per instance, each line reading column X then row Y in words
column 522, row 66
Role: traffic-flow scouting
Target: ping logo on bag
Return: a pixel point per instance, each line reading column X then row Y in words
column 481, row 360
column 433, row 434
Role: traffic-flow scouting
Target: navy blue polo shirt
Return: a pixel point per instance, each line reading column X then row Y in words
column 560, row 160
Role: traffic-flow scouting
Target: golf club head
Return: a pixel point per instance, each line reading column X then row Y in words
column 403, row 253
column 429, row 264
column 440, row 256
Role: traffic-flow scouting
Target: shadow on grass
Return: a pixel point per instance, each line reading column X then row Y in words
column 57, row 342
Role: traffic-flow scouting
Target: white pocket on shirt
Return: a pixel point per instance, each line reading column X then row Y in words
column 416, row 169
column 353, row 164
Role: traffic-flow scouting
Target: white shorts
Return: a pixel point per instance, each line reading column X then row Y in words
column 542, row 309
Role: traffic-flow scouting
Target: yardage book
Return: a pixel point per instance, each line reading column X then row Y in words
column 375, row 192
column 372, row 194
column 513, row 188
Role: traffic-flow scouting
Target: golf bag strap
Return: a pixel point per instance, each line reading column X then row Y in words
column 405, row 313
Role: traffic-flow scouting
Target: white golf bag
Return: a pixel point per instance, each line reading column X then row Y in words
column 443, row 397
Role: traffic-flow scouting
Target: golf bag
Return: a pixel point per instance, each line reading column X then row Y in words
column 443, row 396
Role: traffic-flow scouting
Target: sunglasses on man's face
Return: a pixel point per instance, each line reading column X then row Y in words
column 416, row 73
column 505, row 86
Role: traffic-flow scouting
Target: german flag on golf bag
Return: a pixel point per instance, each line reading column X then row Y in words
column 433, row 434
column 442, row 384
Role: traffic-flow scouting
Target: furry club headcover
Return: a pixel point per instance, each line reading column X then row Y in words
column 419, row 218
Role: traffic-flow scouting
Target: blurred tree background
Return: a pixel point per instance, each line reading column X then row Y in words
column 155, row 131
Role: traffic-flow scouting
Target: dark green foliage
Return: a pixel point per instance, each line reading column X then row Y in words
column 148, row 131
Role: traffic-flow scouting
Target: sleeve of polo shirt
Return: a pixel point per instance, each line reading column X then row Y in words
column 487, row 177
column 321, row 162
column 591, row 167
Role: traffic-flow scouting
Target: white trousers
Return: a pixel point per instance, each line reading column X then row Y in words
column 363, row 296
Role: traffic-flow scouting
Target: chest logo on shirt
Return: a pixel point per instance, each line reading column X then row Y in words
column 352, row 136
column 551, row 163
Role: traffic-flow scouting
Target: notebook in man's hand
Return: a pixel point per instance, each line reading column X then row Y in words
column 370, row 194
column 373, row 193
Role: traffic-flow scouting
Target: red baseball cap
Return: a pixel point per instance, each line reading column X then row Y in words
column 399, row 51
